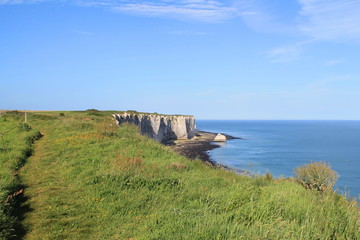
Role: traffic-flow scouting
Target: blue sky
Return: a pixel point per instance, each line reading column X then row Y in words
column 231, row 59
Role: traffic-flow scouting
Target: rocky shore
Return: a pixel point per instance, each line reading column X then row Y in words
column 179, row 133
column 198, row 146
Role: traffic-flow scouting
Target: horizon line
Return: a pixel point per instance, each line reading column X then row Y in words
column 201, row 119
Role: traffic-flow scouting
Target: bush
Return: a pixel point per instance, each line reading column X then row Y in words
column 93, row 111
column 131, row 112
column 62, row 114
column 317, row 175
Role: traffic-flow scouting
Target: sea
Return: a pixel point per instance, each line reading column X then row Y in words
column 279, row 146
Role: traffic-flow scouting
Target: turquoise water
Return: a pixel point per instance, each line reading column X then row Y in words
column 280, row 146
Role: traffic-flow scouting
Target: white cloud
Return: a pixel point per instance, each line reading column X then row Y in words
column 287, row 53
column 310, row 21
column 267, row 16
column 330, row 20
column 336, row 20
column 201, row 10
column 3, row 2
column 331, row 80
column 334, row 62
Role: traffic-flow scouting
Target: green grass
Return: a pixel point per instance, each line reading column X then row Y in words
column 133, row 112
column 90, row 179
column 15, row 148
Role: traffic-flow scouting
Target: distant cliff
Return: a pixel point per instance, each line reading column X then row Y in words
column 162, row 128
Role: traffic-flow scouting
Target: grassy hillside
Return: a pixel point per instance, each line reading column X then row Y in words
column 90, row 179
column 16, row 139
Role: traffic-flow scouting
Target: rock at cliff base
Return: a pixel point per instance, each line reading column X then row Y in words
column 220, row 138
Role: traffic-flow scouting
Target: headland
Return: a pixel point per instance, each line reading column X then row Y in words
column 198, row 146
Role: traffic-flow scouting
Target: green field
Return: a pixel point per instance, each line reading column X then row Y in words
column 87, row 178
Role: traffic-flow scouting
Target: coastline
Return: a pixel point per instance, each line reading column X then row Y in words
column 199, row 146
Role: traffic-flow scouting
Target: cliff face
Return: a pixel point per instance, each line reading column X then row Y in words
column 160, row 127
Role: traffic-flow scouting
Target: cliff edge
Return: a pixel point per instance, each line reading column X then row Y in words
column 162, row 128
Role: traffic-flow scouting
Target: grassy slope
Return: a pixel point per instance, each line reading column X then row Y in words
column 15, row 147
column 90, row 180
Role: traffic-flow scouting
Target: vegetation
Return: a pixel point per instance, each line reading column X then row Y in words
column 133, row 112
column 317, row 175
column 16, row 147
column 90, row 179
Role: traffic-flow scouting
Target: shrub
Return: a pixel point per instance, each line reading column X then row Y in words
column 316, row 175
column 62, row 114
column 131, row 112
column 93, row 111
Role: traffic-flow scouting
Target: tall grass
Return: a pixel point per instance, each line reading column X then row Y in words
column 15, row 148
column 91, row 180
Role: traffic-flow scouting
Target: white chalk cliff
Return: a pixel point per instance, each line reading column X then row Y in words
column 162, row 128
